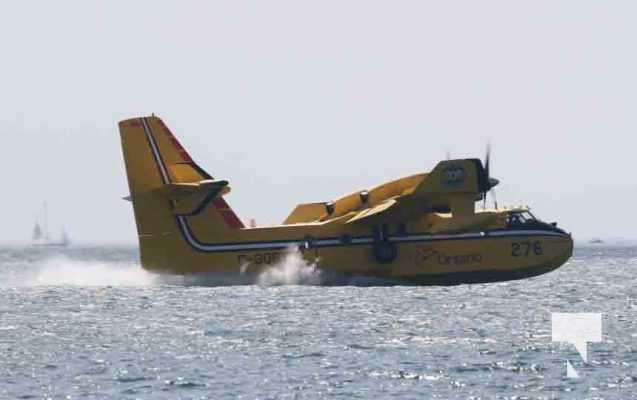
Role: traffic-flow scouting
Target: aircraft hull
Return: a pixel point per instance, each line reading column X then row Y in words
column 421, row 259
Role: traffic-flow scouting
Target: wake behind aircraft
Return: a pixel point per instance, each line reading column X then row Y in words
column 421, row 229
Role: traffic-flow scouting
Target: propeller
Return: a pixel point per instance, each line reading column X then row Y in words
column 490, row 182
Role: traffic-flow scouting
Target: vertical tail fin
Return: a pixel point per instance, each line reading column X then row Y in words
column 163, row 180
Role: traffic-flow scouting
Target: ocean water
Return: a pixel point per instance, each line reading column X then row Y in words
column 90, row 323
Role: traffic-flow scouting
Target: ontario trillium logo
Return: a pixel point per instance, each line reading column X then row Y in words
column 454, row 176
column 424, row 253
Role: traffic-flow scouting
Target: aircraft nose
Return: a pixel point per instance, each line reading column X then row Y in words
column 569, row 246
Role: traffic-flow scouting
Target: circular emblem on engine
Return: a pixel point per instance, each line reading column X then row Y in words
column 454, row 176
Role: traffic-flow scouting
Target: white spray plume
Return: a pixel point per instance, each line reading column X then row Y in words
column 65, row 271
column 291, row 270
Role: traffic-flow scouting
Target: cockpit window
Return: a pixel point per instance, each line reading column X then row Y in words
column 523, row 219
column 519, row 218
column 527, row 216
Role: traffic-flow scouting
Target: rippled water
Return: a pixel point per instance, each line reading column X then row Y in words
column 90, row 323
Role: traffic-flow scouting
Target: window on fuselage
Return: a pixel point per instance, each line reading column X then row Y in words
column 519, row 218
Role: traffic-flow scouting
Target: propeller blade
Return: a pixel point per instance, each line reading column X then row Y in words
column 489, row 182
column 487, row 160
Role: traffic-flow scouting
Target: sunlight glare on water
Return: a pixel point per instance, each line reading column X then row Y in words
column 89, row 322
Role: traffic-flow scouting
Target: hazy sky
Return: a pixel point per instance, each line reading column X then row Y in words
column 296, row 101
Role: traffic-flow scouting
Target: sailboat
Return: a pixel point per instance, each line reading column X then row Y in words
column 41, row 237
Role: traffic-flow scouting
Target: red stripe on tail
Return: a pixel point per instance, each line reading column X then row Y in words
column 180, row 149
column 231, row 219
column 227, row 214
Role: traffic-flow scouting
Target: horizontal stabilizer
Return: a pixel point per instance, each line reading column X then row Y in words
column 193, row 197
column 175, row 191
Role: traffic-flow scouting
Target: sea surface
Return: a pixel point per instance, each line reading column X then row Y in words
column 89, row 323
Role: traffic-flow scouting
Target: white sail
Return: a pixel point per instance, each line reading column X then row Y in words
column 37, row 232
column 41, row 236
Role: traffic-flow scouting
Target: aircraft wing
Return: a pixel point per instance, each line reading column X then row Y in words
column 305, row 213
column 452, row 186
column 373, row 211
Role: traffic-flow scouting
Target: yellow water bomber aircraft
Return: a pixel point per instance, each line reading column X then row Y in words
column 421, row 229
